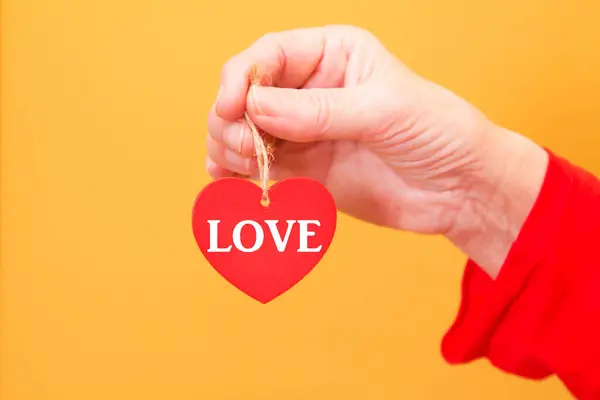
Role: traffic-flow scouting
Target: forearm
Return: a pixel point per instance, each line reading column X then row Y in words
column 503, row 191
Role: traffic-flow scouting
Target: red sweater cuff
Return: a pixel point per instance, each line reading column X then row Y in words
column 486, row 303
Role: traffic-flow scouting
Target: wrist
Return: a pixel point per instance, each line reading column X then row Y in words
column 502, row 193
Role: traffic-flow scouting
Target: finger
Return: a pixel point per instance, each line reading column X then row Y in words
column 215, row 171
column 236, row 136
column 289, row 58
column 228, row 159
column 309, row 115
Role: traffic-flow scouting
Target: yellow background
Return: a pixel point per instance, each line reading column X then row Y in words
column 104, row 294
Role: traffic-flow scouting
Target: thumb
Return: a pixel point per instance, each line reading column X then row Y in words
column 308, row 115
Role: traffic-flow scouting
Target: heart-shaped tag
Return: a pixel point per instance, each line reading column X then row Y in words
column 264, row 250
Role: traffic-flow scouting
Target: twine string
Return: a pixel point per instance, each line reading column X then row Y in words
column 263, row 143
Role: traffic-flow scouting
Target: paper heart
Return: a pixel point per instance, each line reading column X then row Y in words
column 290, row 248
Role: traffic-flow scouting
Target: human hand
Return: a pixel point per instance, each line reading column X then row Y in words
column 393, row 148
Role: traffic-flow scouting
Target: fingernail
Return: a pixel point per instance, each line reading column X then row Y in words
column 234, row 139
column 253, row 96
column 210, row 166
column 243, row 131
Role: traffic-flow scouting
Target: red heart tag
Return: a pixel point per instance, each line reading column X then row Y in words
column 264, row 250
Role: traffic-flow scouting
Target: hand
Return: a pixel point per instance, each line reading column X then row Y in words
column 392, row 148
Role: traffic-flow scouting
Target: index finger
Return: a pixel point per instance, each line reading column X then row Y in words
column 289, row 58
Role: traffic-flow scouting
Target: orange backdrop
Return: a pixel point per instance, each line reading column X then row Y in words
column 104, row 294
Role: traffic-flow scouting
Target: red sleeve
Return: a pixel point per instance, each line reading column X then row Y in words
column 541, row 316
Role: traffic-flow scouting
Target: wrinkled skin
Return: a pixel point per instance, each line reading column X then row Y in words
column 393, row 149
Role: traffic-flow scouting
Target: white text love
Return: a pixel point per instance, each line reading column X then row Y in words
column 280, row 243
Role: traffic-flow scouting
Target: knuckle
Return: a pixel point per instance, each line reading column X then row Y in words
column 230, row 66
column 358, row 30
column 347, row 30
column 259, row 52
column 214, row 149
column 210, row 145
column 323, row 112
column 267, row 38
column 213, row 123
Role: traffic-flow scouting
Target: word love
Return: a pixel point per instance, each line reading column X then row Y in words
column 280, row 243
column 264, row 250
